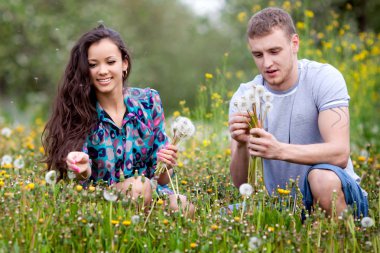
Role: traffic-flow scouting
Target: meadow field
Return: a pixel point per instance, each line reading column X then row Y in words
column 38, row 214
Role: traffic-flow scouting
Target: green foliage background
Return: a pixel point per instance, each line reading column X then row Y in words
column 173, row 48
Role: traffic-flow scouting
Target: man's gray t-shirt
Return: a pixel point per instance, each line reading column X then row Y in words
column 294, row 116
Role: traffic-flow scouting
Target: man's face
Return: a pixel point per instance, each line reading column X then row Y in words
column 275, row 56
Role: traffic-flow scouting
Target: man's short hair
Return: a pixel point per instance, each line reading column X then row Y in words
column 263, row 22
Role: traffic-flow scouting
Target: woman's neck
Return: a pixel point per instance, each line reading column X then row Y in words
column 113, row 104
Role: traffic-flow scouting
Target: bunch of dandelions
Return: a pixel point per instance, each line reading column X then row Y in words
column 182, row 128
column 257, row 103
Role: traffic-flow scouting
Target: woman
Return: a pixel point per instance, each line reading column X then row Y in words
column 99, row 128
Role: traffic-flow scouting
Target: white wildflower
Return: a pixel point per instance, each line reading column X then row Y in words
column 367, row 222
column 51, row 177
column 254, row 243
column 182, row 127
column 6, row 132
column 267, row 97
column 246, row 189
column 135, row 219
column 260, row 90
column 19, row 163
column 6, row 159
column 109, row 195
column 268, row 106
column 71, row 174
column 242, row 104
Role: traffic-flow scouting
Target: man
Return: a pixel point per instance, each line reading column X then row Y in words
column 306, row 133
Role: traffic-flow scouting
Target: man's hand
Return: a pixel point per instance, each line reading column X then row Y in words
column 263, row 144
column 239, row 128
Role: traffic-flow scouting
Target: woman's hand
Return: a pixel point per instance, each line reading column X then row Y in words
column 79, row 162
column 168, row 155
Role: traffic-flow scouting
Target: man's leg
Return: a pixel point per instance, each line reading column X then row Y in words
column 323, row 183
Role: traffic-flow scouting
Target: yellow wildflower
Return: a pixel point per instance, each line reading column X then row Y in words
column 184, row 182
column 283, row 191
column 209, row 190
column 78, row 188
column 300, row 25
column 30, row 186
column 176, row 114
column 126, row 222
column 1, row 184
column 237, row 218
column 256, row 8
column 239, row 74
column 20, row 129
column 114, row 222
column 160, row 202
column 206, row 143
column 362, row 158
column 309, row 13
column 208, row 76
column 180, row 165
column 41, row 220
column 286, row 6
column 214, row 227
column 165, row 222
column 7, row 166
column 242, row 16
column 270, row 229
column 182, row 102
column 91, row 188
column 193, row 245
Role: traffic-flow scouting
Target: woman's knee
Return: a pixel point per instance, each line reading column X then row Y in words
column 136, row 187
column 177, row 202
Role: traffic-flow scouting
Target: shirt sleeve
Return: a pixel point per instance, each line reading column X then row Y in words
column 158, row 120
column 329, row 89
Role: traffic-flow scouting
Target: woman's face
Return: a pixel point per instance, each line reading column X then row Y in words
column 106, row 67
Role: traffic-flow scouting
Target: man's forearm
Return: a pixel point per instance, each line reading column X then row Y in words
column 335, row 154
column 239, row 164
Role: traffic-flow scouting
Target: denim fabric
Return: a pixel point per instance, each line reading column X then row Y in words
column 352, row 192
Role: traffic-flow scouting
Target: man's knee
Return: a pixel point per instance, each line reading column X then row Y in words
column 323, row 183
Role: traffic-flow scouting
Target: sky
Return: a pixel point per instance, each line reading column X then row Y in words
column 205, row 7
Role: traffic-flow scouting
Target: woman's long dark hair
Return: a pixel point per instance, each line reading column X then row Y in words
column 74, row 110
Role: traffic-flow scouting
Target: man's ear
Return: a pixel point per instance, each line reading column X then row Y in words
column 295, row 41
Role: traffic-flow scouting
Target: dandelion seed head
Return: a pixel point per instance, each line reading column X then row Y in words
column 267, row 96
column 109, row 195
column 71, row 175
column 6, row 159
column 367, row 222
column 182, row 127
column 6, row 132
column 260, row 90
column 51, row 177
column 246, row 189
column 19, row 163
column 135, row 219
